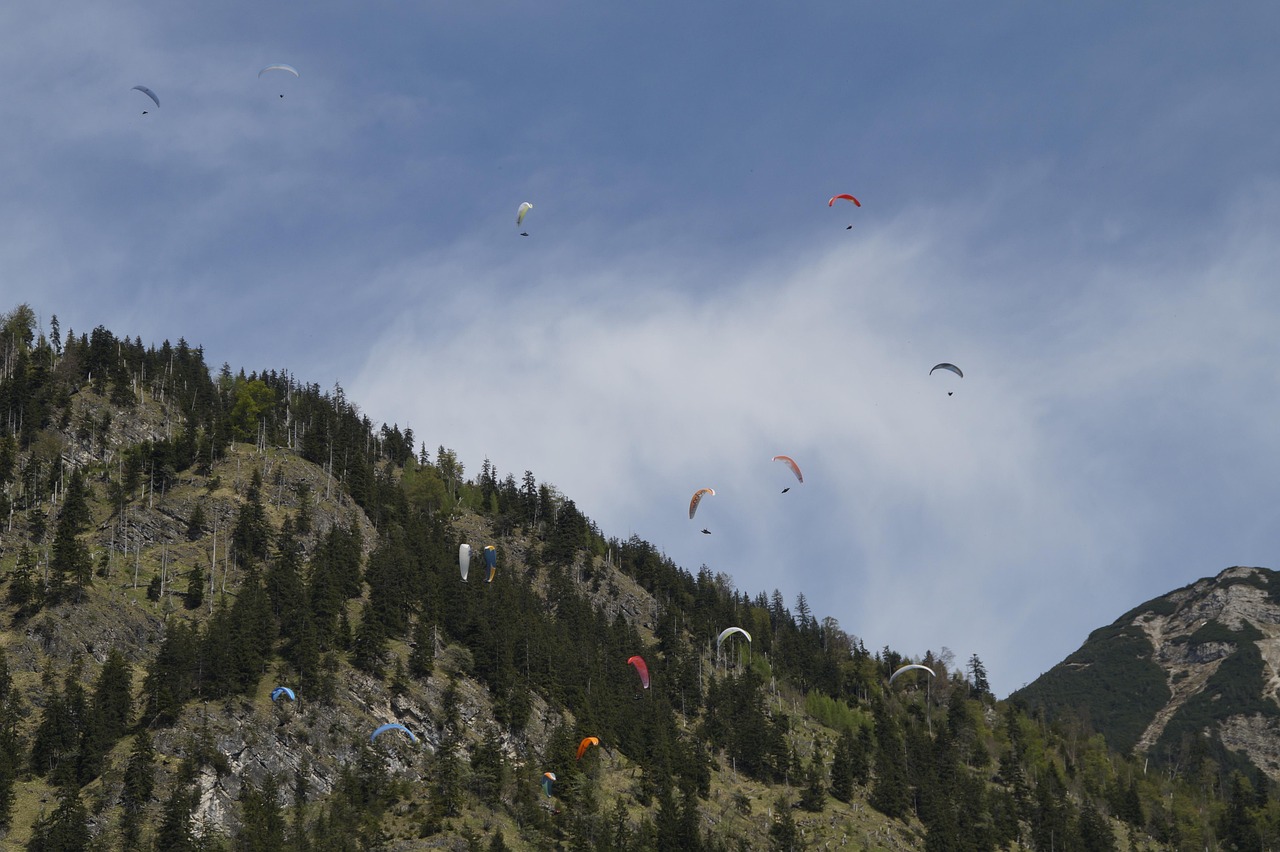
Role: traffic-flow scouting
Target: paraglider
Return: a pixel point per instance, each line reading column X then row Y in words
column 847, row 197
column 950, row 368
column 149, row 94
column 548, row 778
column 391, row 726
column 727, row 632
column 521, row 212
column 697, row 498
column 706, row 531
column 282, row 692
column 286, row 68
column 491, row 559
column 464, row 560
column 795, row 468
column 907, row 668
column 586, row 743
column 642, row 669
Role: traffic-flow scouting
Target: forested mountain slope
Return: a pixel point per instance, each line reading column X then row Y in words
column 176, row 544
column 1190, row 674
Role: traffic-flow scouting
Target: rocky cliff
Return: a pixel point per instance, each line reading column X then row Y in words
column 1188, row 676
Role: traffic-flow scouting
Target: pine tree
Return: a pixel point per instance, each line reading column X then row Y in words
column 889, row 791
column 262, row 819
column 196, row 523
column 55, row 744
column 176, row 832
column 251, row 536
column 193, row 598
column 70, row 562
column 11, row 715
column 978, row 677
column 66, row 829
column 23, row 592
column 814, row 797
column 422, row 656
column 1237, row 826
column 135, row 795
column 842, row 767
column 369, row 646
column 784, row 835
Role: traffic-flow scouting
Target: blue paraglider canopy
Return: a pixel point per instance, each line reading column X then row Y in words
column 397, row 726
column 283, row 692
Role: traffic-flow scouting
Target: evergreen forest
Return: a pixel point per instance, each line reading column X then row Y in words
column 178, row 541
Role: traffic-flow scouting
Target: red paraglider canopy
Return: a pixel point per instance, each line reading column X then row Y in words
column 846, row 196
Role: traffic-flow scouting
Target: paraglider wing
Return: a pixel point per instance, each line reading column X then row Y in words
column 548, row 778
column 697, row 498
column 381, row 729
column 908, row 668
column 148, row 93
column 464, row 560
column 522, row 210
column 586, row 743
column 491, row 559
column 791, row 463
column 726, row 632
column 282, row 692
column 641, row 668
column 847, row 197
column 952, row 367
column 289, row 68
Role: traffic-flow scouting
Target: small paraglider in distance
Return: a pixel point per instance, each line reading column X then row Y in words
column 642, row 669
column 548, row 778
column 392, row 726
column 464, row 560
column 289, row 69
column 586, row 743
column 726, row 633
column 521, row 212
column 951, row 368
column 706, row 531
column 491, row 560
column 697, row 498
column 155, row 100
column 847, row 197
column 795, row 469
column 908, row 668
column 282, row 692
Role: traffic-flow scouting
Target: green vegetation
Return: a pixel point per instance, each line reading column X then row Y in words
column 1110, row 681
column 224, row 534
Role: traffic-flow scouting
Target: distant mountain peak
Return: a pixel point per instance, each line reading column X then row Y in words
column 1190, row 675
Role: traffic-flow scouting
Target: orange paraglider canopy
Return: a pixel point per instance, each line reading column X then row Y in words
column 847, row 197
column 697, row 498
column 586, row 744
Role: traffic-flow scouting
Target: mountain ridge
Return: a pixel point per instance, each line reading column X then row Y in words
column 178, row 543
column 1199, row 661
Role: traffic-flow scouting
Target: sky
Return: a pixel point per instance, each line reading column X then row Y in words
column 1075, row 203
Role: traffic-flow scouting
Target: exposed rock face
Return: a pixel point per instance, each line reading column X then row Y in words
column 1216, row 644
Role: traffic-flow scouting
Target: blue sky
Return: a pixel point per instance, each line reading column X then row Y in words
column 1076, row 203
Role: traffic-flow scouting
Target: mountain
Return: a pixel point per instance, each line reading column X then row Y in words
column 177, row 543
column 1191, row 674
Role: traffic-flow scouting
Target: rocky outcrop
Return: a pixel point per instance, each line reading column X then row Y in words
column 1217, row 643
